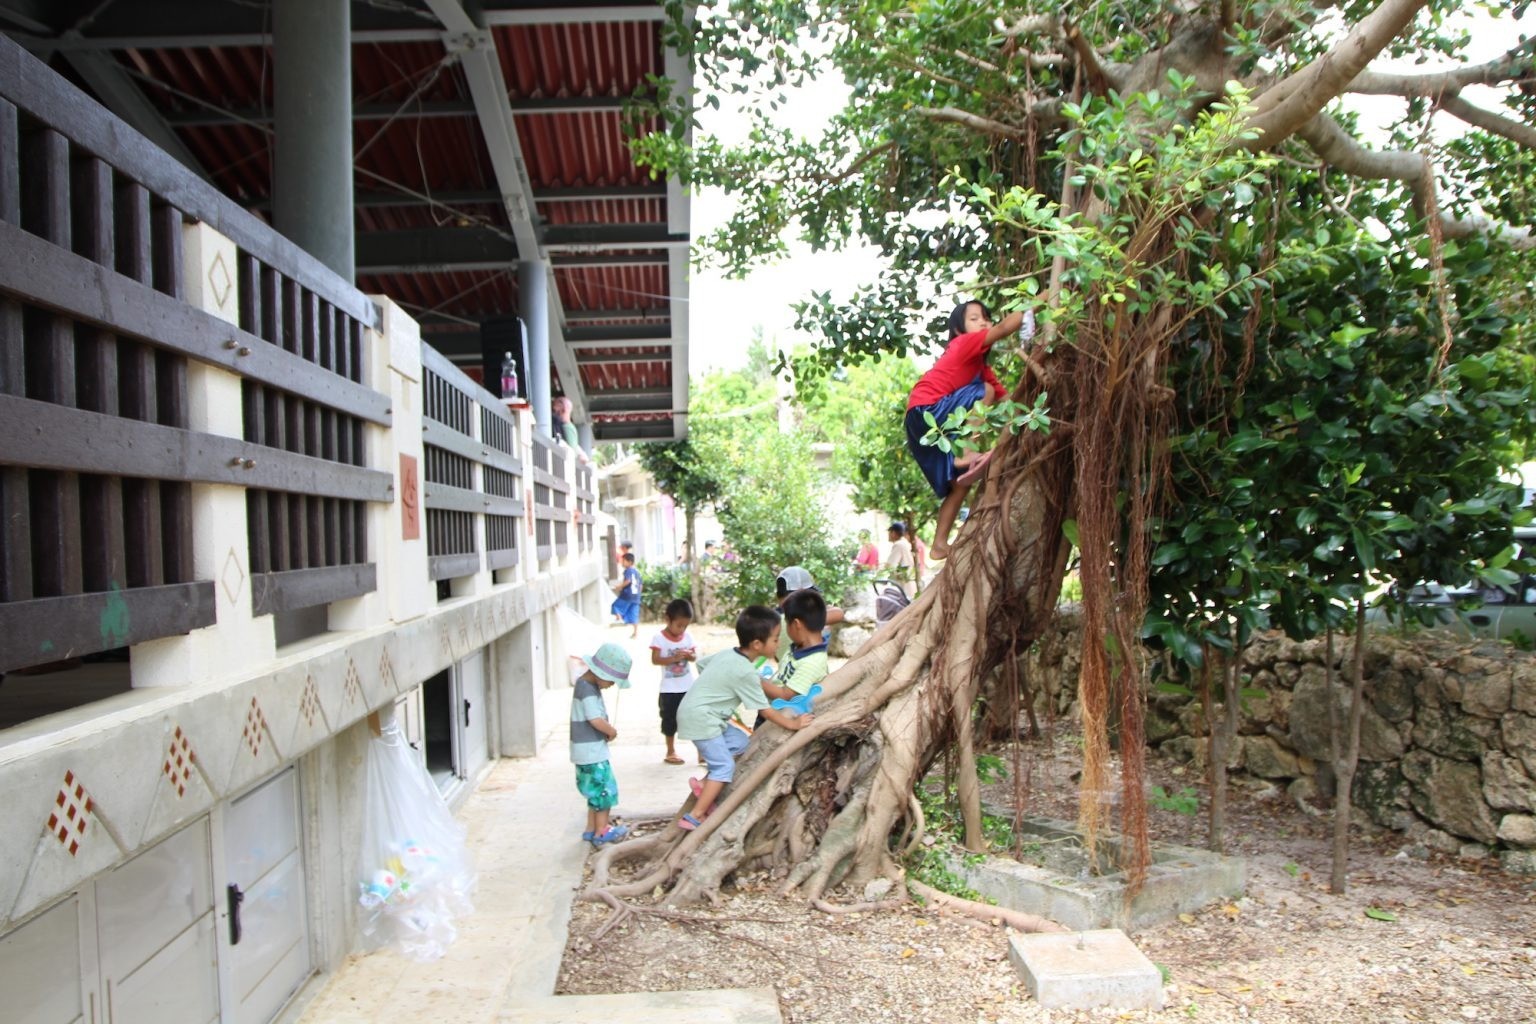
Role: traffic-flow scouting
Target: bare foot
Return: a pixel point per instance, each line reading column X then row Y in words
column 973, row 472
column 939, row 550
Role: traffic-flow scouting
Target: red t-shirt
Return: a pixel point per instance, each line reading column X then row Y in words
column 962, row 361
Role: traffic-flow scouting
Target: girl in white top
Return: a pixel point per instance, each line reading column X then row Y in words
column 674, row 650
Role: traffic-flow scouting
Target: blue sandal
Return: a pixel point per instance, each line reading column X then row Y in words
column 613, row 835
column 587, row 837
column 688, row 823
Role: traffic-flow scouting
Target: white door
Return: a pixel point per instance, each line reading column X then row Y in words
column 41, row 969
column 264, row 930
column 154, row 931
column 473, row 711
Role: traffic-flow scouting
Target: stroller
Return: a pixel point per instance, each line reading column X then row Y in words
column 890, row 599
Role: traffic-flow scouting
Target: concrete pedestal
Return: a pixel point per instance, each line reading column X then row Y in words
column 1086, row 970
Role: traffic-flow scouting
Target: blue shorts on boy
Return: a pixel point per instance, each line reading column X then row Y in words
column 589, row 748
column 726, row 680
column 939, row 466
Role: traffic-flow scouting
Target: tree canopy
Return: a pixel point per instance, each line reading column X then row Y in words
column 1202, row 227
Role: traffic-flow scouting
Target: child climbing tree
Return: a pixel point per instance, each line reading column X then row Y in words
column 1125, row 155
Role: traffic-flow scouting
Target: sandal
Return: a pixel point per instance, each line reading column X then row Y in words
column 688, row 823
column 696, row 786
column 671, row 759
column 613, row 835
column 587, row 837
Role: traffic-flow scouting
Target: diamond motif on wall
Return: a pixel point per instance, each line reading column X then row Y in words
column 444, row 640
column 219, row 282
column 309, row 703
column 255, row 726
column 179, row 760
column 68, row 822
column 463, row 635
column 387, row 671
column 354, row 687
column 233, row 577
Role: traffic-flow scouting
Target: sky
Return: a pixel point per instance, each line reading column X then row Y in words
column 723, row 313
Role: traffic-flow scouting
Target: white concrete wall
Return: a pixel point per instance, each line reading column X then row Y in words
column 239, row 710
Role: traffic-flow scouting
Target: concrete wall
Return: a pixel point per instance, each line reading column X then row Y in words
column 237, row 709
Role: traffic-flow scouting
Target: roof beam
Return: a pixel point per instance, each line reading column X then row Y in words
column 588, row 358
column 377, row 198
column 426, row 110
column 476, row 49
column 631, row 401
column 112, row 85
column 622, row 336
column 434, row 249
column 599, row 315
column 596, row 237
column 578, row 261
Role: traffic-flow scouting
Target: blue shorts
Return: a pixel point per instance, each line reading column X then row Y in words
column 629, row 611
column 721, row 752
column 939, row 466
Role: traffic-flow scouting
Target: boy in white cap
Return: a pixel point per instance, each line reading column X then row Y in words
column 590, row 733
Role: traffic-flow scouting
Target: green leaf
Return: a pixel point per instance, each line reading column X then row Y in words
column 1377, row 914
column 1069, row 530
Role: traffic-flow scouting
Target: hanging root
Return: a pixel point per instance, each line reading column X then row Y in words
column 918, row 824
column 1015, row 919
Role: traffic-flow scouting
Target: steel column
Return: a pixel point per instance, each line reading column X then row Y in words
column 312, row 160
column 533, row 293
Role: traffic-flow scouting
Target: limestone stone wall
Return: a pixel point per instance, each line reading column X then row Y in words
column 1447, row 742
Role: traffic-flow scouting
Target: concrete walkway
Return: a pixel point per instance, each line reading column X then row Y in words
column 524, row 823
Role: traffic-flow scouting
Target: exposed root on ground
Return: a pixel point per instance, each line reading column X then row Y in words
column 1015, row 919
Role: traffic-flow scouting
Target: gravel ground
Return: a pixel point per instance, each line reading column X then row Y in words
column 1461, row 946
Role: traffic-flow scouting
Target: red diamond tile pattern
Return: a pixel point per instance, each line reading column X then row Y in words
column 309, row 704
column 179, row 760
column 354, row 687
column 68, row 820
column 255, row 726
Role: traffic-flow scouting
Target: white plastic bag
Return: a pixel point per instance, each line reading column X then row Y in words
column 577, row 637
column 414, row 873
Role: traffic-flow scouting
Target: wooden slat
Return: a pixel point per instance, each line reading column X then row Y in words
column 15, row 502
column 57, row 566
column 104, row 554
column 447, row 567
column 62, row 281
column 53, row 628
column 45, row 436
column 462, row 499
column 442, row 436
column 29, row 84
column 305, row 588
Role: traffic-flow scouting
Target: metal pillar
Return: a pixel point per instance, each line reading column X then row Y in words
column 312, row 160
column 533, row 303
column 584, row 435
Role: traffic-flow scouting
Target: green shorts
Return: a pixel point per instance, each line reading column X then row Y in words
column 597, row 784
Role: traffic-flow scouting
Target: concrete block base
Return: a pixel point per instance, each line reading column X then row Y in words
column 1086, row 970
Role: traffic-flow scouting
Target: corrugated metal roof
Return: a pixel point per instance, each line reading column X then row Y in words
column 422, row 164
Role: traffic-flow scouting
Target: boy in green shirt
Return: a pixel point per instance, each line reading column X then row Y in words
column 805, row 665
column 725, row 681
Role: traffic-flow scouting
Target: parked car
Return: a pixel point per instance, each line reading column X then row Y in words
column 1482, row 611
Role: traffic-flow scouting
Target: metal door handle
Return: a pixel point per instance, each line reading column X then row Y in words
column 466, row 714
column 235, row 898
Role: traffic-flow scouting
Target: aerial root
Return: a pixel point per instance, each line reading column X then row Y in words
column 613, row 853
column 918, row 825
column 623, row 911
column 891, row 903
column 1015, row 919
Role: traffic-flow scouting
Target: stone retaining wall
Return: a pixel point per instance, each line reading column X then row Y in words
column 1447, row 742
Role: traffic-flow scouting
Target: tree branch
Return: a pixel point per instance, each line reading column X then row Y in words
column 970, row 120
column 1339, row 150
column 1487, row 120
column 1099, row 75
column 1296, row 99
column 1518, row 63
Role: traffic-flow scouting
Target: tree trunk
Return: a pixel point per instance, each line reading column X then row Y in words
column 695, row 576
column 1344, row 767
column 823, row 803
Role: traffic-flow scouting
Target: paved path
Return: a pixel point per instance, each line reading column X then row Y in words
column 525, row 822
